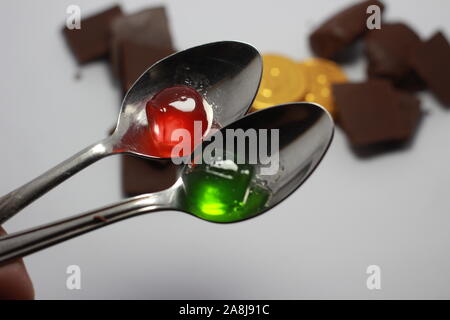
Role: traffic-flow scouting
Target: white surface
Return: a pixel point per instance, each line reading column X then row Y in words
column 392, row 210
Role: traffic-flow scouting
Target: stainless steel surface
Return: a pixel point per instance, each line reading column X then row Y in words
column 305, row 131
column 226, row 73
column 32, row 240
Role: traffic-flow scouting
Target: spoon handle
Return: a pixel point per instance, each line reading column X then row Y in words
column 18, row 199
column 25, row 242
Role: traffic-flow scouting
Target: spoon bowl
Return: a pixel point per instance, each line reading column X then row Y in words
column 226, row 74
column 305, row 132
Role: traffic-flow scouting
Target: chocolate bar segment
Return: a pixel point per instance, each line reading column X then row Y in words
column 374, row 112
column 408, row 116
column 431, row 60
column 135, row 58
column 92, row 41
column 144, row 36
column 341, row 30
column 388, row 50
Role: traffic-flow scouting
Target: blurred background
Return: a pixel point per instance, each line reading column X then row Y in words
column 392, row 210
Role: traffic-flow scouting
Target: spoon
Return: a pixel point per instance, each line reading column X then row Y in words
column 305, row 133
column 226, row 74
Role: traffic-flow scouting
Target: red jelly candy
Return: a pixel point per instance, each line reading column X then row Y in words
column 177, row 107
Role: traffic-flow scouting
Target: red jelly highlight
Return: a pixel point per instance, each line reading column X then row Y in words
column 172, row 108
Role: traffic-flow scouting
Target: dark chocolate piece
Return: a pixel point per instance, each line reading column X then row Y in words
column 409, row 114
column 135, row 58
column 411, row 82
column 144, row 176
column 341, row 30
column 92, row 41
column 374, row 112
column 388, row 51
column 149, row 27
column 431, row 60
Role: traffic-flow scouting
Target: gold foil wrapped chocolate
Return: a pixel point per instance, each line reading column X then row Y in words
column 285, row 80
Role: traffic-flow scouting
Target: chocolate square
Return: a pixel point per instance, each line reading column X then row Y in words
column 341, row 30
column 92, row 41
column 146, row 28
column 409, row 114
column 374, row 112
column 135, row 58
column 431, row 60
column 388, row 51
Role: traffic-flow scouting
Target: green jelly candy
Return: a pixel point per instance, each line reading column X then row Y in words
column 223, row 192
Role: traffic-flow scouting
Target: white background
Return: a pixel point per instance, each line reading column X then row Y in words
column 391, row 210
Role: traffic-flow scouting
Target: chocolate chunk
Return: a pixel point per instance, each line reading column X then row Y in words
column 145, row 176
column 341, row 30
column 431, row 60
column 92, row 41
column 388, row 50
column 411, row 82
column 146, row 31
column 374, row 112
column 409, row 114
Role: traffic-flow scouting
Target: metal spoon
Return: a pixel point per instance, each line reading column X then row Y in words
column 226, row 73
column 305, row 132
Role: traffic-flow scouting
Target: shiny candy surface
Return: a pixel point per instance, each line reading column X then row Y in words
column 224, row 191
column 321, row 74
column 281, row 82
column 171, row 109
column 285, row 80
